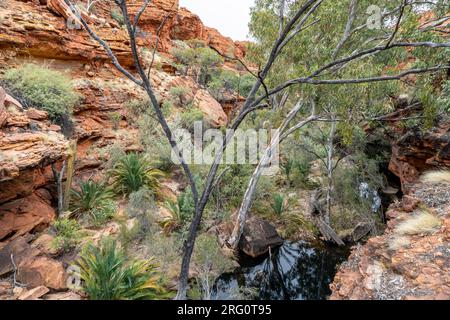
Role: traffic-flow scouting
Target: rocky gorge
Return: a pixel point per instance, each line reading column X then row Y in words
column 33, row 147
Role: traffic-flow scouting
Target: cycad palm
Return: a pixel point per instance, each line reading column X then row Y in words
column 90, row 195
column 132, row 172
column 108, row 276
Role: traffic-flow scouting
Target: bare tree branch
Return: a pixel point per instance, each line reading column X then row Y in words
column 105, row 46
column 348, row 27
column 399, row 20
column 158, row 34
column 138, row 15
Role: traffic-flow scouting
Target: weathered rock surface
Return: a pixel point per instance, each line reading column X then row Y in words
column 25, row 215
column 259, row 237
column 416, row 151
column 211, row 108
column 51, row 31
column 42, row 271
column 20, row 250
column 62, row 296
column 34, row 293
column 417, row 268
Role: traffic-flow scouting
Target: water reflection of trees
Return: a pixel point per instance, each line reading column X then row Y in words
column 294, row 271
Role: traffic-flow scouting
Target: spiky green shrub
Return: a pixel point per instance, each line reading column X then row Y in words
column 42, row 88
column 133, row 172
column 118, row 17
column 107, row 275
column 67, row 234
column 287, row 168
column 89, row 195
column 278, row 205
column 182, row 210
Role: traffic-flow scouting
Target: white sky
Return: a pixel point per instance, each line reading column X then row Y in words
column 230, row 17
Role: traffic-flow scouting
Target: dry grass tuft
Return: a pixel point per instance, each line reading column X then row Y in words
column 422, row 222
column 398, row 242
column 439, row 176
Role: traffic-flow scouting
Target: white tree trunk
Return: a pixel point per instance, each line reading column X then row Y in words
column 330, row 168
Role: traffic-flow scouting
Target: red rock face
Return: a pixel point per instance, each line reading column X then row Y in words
column 38, row 31
column 42, row 31
column 416, row 152
column 26, row 155
column 25, row 215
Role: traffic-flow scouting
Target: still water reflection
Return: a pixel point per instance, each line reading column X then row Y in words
column 294, row 271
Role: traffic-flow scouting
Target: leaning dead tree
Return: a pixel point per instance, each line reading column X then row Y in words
column 58, row 176
column 289, row 29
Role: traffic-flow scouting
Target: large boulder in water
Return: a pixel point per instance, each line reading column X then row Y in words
column 258, row 236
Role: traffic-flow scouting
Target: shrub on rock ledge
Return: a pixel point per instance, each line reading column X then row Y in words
column 42, row 88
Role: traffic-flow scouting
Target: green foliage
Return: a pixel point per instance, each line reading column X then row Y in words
column 287, row 168
column 228, row 193
column 293, row 225
column 180, row 95
column 138, row 107
column 198, row 60
column 315, row 47
column 100, row 215
column 133, row 172
column 444, row 98
column 278, row 204
column 115, row 118
column 210, row 263
column 42, row 88
column 107, row 275
column 67, row 234
column 189, row 117
column 225, row 83
column 89, row 195
column 167, row 253
column 142, row 206
column 155, row 143
column 118, row 17
column 182, row 211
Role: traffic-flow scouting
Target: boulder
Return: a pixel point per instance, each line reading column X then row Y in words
column 42, row 271
column 212, row 109
column 3, row 112
column 44, row 243
column 6, row 288
column 409, row 203
column 258, row 237
column 20, row 249
column 416, row 152
column 356, row 234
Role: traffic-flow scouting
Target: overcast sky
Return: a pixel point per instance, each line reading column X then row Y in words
column 230, row 17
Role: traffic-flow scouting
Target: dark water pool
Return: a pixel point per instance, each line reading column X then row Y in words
column 294, row 271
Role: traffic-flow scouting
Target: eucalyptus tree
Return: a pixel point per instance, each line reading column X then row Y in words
column 301, row 22
column 361, row 39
